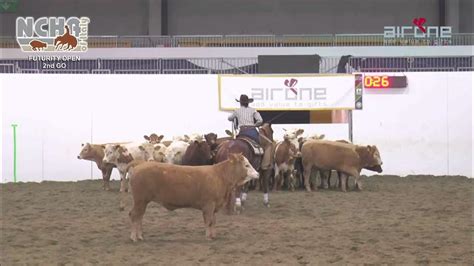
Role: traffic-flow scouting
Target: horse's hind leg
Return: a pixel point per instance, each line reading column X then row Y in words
column 266, row 185
column 277, row 179
column 258, row 184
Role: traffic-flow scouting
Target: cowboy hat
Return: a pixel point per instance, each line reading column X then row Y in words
column 244, row 99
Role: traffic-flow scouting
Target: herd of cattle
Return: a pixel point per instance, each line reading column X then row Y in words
column 181, row 172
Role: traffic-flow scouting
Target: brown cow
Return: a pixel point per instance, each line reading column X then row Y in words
column 38, row 45
column 204, row 188
column 348, row 159
column 153, row 138
column 214, row 142
column 284, row 157
column 95, row 153
column 197, row 153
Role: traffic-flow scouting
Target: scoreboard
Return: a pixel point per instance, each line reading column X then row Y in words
column 385, row 82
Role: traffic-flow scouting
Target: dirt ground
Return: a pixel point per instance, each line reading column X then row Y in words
column 407, row 220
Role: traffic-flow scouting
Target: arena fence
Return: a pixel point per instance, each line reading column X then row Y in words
column 402, row 64
column 233, row 65
column 264, row 41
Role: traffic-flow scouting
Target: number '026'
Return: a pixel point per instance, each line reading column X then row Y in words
column 376, row 81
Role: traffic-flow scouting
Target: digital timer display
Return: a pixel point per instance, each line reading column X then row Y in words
column 385, row 82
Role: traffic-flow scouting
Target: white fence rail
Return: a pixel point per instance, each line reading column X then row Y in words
column 264, row 40
column 234, row 65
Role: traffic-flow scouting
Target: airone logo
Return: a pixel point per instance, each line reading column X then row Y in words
column 417, row 31
column 290, row 93
column 52, row 34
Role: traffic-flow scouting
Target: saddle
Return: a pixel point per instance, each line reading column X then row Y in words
column 257, row 149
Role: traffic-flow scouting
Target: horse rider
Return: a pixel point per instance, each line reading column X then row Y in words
column 247, row 118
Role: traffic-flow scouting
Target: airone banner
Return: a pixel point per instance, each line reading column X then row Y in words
column 289, row 92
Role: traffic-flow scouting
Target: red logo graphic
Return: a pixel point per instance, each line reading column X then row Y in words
column 291, row 83
column 419, row 23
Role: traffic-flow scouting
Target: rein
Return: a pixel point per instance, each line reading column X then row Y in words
column 278, row 116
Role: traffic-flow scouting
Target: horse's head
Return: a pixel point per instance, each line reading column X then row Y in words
column 267, row 131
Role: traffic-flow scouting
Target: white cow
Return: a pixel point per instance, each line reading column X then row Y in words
column 195, row 137
column 159, row 153
column 189, row 138
column 122, row 154
column 301, row 139
column 184, row 138
column 175, row 151
column 292, row 135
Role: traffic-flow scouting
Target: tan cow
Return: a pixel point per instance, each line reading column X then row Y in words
column 95, row 153
column 298, row 172
column 204, row 188
column 326, row 175
column 348, row 159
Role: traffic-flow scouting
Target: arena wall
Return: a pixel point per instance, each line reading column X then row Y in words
column 243, row 16
column 424, row 129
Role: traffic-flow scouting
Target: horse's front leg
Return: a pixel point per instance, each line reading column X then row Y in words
column 245, row 190
column 238, row 201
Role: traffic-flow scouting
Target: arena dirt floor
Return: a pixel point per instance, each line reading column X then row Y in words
column 412, row 220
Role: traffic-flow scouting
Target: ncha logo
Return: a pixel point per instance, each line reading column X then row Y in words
column 417, row 31
column 52, row 34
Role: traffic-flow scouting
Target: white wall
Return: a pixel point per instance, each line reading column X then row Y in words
column 472, row 128
column 425, row 129
column 59, row 112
